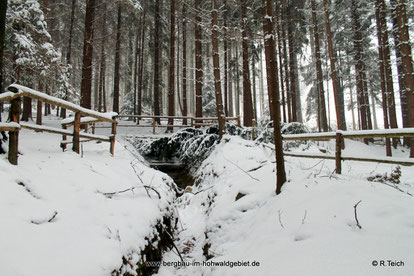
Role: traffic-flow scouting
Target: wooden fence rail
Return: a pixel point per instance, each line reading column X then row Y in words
column 16, row 92
column 339, row 136
column 194, row 121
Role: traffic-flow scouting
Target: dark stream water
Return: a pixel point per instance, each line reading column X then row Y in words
column 175, row 169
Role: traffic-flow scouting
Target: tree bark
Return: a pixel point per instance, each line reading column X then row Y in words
column 184, row 73
column 273, row 89
column 319, row 74
column 399, row 7
column 247, row 92
column 280, row 55
column 86, row 83
column 383, row 32
column 338, row 93
column 115, row 106
column 141, row 67
column 363, row 105
column 382, row 76
column 217, row 76
column 198, row 60
column 171, row 81
column 157, row 23
column 102, row 66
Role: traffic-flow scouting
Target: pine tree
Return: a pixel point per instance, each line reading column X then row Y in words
column 86, row 86
column 272, row 84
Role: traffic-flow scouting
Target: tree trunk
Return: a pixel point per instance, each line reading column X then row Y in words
column 27, row 109
column 198, row 61
column 230, row 84
column 141, row 67
column 115, row 106
column 157, row 23
column 3, row 10
column 273, row 89
column 216, row 65
column 338, row 93
column 292, row 53
column 69, row 51
column 359, row 67
column 102, row 66
column 382, row 75
column 280, row 55
column 226, row 61
column 137, row 57
column 171, row 81
column 86, row 83
column 237, row 81
column 319, row 74
column 399, row 9
column 400, row 71
column 247, row 93
column 184, row 74
column 286, row 64
column 383, row 32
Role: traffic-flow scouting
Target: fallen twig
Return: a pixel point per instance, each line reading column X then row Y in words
column 395, row 187
column 176, row 248
column 110, row 195
column 151, row 188
column 280, row 218
column 355, row 213
column 45, row 220
column 304, row 217
column 241, row 169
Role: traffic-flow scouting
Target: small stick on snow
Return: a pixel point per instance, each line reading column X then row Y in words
column 241, row 169
column 149, row 187
column 109, row 195
column 280, row 219
column 173, row 243
column 355, row 212
column 304, row 217
column 45, row 220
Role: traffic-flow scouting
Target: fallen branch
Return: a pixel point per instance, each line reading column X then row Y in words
column 304, row 217
column 110, row 195
column 151, row 188
column 176, row 248
column 241, row 169
column 280, row 219
column 395, row 187
column 356, row 216
column 45, row 220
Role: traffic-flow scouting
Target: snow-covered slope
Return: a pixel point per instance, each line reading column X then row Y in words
column 309, row 229
column 57, row 213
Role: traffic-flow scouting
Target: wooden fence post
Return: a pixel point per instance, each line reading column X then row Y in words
column 76, row 129
column 192, row 121
column 63, row 145
column 15, row 110
column 39, row 113
column 153, row 125
column 238, row 121
column 253, row 129
column 339, row 143
column 112, row 138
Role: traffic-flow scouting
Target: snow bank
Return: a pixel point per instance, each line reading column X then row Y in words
column 309, row 229
column 56, row 218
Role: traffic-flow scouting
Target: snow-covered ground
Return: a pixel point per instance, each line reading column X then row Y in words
column 309, row 229
column 57, row 213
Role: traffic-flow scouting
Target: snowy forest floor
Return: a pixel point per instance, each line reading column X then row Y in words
column 56, row 218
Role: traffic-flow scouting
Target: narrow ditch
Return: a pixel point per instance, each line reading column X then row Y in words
column 175, row 169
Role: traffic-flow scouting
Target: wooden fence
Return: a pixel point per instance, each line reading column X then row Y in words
column 18, row 91
column 194, row 121
column 339, row 136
